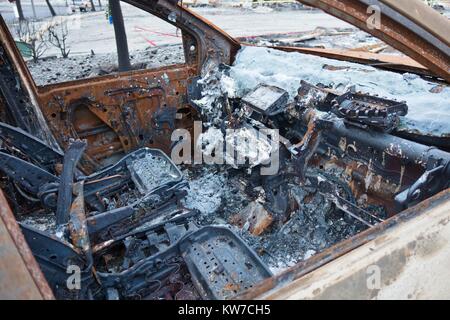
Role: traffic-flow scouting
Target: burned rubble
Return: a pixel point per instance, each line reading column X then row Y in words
column 348, row 38
column 299, row 153
column 145, row 228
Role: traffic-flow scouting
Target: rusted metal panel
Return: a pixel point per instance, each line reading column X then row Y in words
column 21, row 277
column 118, row 113
column 404, row 36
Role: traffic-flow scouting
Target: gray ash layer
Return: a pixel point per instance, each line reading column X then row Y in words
column 152, row 171
column 40, row 221
column 54, row 70
column 313, row 227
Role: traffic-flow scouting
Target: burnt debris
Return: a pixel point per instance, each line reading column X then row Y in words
column 145, row 228
column 134, row 241
column 342, row 166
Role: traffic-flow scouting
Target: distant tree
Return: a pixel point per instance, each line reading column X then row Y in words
column 121, row 36
column 92, row 5
column 57, row 36
column 50, row 7
column 34, row 35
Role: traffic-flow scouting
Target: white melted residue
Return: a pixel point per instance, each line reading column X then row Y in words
column 428, row 112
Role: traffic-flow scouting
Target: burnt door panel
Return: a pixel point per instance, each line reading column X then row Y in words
column 118, row 113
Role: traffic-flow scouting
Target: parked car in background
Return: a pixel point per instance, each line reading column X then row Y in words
column 82, row 6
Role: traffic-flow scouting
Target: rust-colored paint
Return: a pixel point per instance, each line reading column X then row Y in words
column 21, row 276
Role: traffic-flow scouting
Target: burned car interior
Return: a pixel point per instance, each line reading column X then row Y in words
column 276, row 172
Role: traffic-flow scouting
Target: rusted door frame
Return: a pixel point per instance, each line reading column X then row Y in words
column 354, row 12
column 201, row 41
column 410, row 27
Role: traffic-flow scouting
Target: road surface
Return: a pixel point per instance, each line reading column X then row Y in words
column 92, row 31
